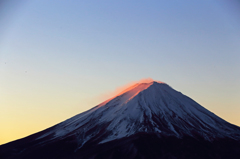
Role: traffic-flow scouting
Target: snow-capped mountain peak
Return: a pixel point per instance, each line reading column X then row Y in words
column 146, row 120
column 152, row 107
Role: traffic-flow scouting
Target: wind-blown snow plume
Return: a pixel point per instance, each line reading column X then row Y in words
column 119, row 90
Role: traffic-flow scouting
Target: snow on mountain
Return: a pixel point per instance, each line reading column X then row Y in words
column 146, row 120
column 152, row 107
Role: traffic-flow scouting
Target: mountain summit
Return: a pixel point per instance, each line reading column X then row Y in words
column 146, row 120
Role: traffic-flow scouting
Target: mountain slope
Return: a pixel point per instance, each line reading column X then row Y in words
column 150, row 114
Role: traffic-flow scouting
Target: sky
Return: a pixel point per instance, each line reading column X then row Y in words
column 59, row 58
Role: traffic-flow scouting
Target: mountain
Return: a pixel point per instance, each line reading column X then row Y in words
column 147, row 120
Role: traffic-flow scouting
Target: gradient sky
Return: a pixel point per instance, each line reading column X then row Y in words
column 59, row 58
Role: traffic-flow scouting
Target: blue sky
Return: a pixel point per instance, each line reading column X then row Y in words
column 57, row 58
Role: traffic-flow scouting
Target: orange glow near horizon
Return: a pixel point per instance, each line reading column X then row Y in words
column 85, row 53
